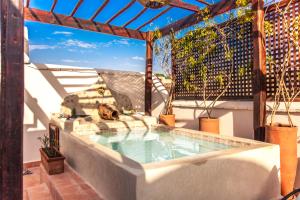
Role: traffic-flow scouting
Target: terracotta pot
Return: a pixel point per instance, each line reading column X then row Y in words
column 168, row 120
column 210, row 125
column 286, row 137
column 53, row 165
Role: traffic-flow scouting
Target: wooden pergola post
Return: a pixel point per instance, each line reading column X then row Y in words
column 259, row 71
column 11, row 99
column 148, row 74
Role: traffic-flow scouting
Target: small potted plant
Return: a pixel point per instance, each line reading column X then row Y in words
column 163, row 49
column 52, row 159
column 287, row 90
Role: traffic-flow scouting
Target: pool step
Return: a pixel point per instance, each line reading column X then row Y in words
column 68, row 185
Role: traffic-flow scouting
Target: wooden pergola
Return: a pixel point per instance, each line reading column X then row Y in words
column 13, row 14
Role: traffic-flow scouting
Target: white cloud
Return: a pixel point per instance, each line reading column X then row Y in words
column 40, row 47
column 69, row 61
column 105, row 44
column 119, row 42
column 122, row 42
column 138, row 58
column 78, row 43
column 65, row 33
column 73, row 61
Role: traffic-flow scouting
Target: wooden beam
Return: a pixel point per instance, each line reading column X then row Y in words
column 99, row 10
column 134, row 18
column 259, row 71
column 76, row 7
column 27, row 3
column 120, row 12
column 204, row 2
column 11, row 99
column 216, row 9
column 73, row 22
column 53, row 5
column 279, row 4
column 154, row 18
column 183, row 5
column 148, row 74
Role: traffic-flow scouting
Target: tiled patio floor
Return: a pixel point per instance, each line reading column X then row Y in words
column 32, row 182
column 66, row 186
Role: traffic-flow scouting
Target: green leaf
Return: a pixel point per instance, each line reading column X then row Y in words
column 242, row 3
column 268, row 28
column 241, row 71
column 220, row 80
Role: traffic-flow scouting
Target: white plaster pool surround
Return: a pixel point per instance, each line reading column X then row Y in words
column 249, row 172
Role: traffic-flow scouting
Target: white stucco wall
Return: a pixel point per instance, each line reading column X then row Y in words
column 44, row 91
column 236, row 117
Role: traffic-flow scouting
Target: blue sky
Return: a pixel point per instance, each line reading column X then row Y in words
column 60, row 45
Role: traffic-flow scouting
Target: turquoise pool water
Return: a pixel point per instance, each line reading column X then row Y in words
column 156, row 146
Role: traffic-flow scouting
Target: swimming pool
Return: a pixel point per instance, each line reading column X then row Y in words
column 163, row 163
column 155, row 146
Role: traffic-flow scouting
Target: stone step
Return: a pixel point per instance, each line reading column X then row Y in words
column 108, row 100
column 68, row 186
column 93, row 93
column 39, row 192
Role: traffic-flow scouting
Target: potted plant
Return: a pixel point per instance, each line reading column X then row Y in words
column 287, row 90
column 209, row 123
column 198, row 72
column 163, row 49
column 52, row 159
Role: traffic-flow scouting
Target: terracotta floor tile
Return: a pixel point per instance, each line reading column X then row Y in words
column 25, row 195
column 84, row 186
column 31, row 180
column 62, row 179
column 40, row 192
column 75, row 197
column 69, row 189
column 66, row 186
column 92, row 195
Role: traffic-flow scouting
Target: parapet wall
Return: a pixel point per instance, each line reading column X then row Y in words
column 236, row 117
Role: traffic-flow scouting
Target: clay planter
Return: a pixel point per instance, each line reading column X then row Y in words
column 286, row 137
column 53, row 165
column 210, row 125
column 168, row 120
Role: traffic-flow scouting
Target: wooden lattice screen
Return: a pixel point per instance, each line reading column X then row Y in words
column 241, row 87
column 276, row 46
column 215, row 62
